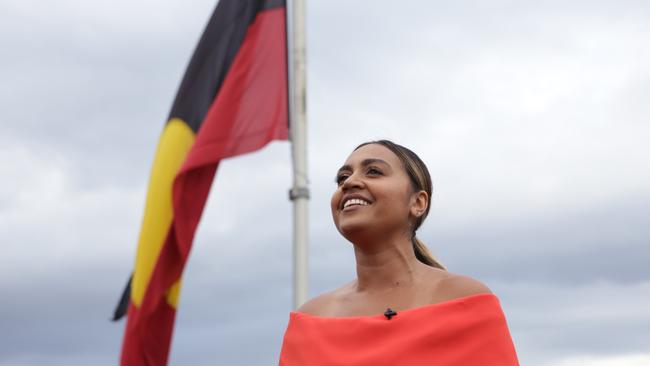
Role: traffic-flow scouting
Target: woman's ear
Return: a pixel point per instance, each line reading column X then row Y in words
column 420, row 201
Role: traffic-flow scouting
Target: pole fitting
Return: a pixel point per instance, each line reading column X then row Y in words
column 298, row 192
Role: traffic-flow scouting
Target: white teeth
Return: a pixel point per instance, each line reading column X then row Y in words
column 355, row 201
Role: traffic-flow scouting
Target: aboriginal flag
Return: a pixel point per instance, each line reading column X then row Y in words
column 232, row 100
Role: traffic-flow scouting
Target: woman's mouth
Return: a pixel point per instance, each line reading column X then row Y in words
column 353, row 203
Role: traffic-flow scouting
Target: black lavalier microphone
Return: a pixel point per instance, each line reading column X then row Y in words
column 389, row 313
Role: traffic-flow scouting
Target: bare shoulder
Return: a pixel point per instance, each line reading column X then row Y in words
column 316, row 306
column 452, row 286
column 323, row 303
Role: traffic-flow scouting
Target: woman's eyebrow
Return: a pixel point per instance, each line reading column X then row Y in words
column 367, row 162
column 344, row 168
column 364, row 163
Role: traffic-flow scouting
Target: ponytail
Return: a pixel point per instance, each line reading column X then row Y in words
column 423, row 254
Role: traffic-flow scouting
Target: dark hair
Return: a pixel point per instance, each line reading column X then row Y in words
column 420, row 181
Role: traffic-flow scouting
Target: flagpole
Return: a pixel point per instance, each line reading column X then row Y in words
column 299, row 194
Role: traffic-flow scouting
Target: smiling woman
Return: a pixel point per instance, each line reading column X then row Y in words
column 404, row 308
column 420, row 182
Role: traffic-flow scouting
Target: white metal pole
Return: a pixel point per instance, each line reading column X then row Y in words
column 299, row 194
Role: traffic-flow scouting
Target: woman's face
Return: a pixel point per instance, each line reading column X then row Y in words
column 374, row 194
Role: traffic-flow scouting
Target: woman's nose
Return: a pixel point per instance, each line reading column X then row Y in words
column 353, row 181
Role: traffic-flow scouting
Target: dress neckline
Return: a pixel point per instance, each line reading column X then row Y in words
column 295, row 314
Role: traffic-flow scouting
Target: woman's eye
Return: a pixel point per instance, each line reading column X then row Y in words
column 374, row 171
column 341, row 178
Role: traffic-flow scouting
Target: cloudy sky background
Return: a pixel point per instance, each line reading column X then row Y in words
column 532, row 116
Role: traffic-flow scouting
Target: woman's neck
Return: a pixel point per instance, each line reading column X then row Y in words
column 385, row 265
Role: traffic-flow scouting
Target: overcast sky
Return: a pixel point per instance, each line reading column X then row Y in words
column 533, row 117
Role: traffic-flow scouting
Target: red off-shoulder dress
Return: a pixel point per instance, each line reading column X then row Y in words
column 470, row 331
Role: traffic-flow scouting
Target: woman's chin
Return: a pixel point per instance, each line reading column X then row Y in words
column 354, row 231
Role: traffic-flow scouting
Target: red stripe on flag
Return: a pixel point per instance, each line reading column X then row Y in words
column 147, row 340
